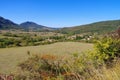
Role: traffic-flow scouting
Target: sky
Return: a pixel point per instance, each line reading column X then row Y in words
column 60, row 13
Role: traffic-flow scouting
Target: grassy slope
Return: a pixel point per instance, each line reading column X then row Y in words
column 98, row 27
column 10, row 57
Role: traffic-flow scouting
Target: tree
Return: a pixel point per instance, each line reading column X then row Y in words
column 118, row 31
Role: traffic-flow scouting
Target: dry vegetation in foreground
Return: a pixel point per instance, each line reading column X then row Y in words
column 10, row 57
column 102, row 63
column 74, row 67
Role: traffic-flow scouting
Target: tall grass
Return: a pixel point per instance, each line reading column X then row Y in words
column 102, row 63
column 68, row 67
column 10, row 57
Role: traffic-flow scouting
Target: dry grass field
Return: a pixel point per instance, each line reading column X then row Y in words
column 10, row 57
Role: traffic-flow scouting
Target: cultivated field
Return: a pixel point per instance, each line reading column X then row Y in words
column 10, row 57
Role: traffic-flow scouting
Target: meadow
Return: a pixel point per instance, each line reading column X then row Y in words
column 11, row 57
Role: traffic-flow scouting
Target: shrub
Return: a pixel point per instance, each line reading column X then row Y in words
column 107, row 49
column 53, row 67
column 87, row 66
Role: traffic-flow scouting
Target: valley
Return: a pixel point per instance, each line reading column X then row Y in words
column 30, row 51
column 11, row 57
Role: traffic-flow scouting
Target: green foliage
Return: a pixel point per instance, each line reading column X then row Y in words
column 98, row 27
column 15, row 40
column 107, row 49
column 87, row 66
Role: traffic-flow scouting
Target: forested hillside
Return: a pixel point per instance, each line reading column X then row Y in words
column 98, row 27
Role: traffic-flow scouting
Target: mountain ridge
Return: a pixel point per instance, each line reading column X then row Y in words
column 96, row 27
column 7, row 24
column 34, row 26
column 28, row 25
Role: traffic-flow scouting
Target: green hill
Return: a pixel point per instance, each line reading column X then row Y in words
column 98, row 27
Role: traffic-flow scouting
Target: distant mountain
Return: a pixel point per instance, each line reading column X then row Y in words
column 98, row 27
column 7, row 24
column 29, row 26
column 34, row 26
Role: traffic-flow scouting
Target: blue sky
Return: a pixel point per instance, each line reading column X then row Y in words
column 60, row 13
